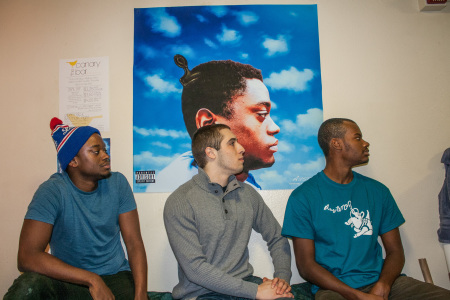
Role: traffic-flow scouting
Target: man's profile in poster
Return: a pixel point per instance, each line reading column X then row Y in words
column 230, row 93
column 245, row 66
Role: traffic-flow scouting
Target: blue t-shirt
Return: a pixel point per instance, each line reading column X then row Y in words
column 86, row 232
column 344, row 220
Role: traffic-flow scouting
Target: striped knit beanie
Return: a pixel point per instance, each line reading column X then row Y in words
column 69, row 140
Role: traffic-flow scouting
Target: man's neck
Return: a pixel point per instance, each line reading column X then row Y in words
column 82, row 183
column 217, row 176
column 339, row 174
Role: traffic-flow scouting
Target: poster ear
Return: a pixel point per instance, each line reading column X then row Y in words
column 204, row 117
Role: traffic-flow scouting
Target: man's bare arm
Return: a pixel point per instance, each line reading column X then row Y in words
column 131, row 233
column 32, row 257
column 311, row 271
column 393, row 263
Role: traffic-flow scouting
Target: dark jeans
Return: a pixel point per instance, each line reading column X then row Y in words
column 31, row 285
column 404, row 287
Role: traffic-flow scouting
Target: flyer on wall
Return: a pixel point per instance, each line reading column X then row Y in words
column 84, row 92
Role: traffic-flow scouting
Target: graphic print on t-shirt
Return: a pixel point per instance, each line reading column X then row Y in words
column 362, row 225
column 359, row 221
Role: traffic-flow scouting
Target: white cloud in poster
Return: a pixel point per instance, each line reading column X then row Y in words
column 184, row 49
column 228, row 36
column 271, row 177
column 285, row 147
column 210, row 43
column 296, row 174
column 276, row 46
column 162, row 145
column 166, row 24
column 308, row 167
column 290, row 79
column 244, row 55
column 304, row 148
column 160, row 85
column 305, row 125
column 175, row 134
column 147, row 52
column 246, row 18
column 219, row 11
column 201, row 18
column 146, row 160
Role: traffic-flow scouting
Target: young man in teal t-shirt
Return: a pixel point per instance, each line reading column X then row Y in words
column 335, row 219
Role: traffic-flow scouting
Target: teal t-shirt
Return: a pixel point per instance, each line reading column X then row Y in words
column 344, row 220
column 86, row 232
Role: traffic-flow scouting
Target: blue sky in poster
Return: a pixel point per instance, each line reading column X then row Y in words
column 281, row 40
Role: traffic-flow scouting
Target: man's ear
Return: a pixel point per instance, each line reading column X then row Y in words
column 210, row 152
column 204, row 117
column 74, row 162
column 336, row 144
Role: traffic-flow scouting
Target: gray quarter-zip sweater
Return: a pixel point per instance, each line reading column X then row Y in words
column 209, row 231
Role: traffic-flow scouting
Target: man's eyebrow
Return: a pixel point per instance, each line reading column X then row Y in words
column 264, row 103
column 232, row 140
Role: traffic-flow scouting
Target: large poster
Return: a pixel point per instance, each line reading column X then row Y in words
column 202, row 64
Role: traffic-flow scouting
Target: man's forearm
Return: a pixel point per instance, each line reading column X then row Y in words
column 321, row 277
column 392, row 267
column 395, row 258
column 32, row 257
column 138, row 264
column 49, row 265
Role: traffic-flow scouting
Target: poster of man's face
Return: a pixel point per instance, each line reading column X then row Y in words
column 255, row 68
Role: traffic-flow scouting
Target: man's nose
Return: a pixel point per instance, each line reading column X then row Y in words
column 272, row 128
column 367, row 143
column 241, row 148
column 105, row 155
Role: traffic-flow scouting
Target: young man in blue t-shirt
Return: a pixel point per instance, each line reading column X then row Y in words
column 81, row 213
column 335, row 219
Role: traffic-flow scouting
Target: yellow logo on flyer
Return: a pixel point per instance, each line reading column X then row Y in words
column 72, row 63
column 81, row 121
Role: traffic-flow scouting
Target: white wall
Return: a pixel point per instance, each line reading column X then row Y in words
column 384, row 64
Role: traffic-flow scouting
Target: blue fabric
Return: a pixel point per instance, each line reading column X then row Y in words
column 252, row 181
column 69, row 140
column 344, row 220
column 86, row 232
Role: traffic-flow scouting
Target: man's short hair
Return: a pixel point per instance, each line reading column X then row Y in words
column 330, row 129
column 204, row 137
column 219, row 82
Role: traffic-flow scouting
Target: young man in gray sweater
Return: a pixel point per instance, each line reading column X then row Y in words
column 209, row 220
